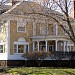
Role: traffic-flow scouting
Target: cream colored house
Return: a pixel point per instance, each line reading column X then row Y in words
column 23, row 31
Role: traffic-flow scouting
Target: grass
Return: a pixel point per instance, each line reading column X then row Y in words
column 40, row 71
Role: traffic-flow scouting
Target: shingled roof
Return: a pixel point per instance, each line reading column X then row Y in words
column 27, row 7
column 4, row 8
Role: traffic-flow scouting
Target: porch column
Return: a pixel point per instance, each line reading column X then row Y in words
column 46, row 46
column 56, row 41
column 38, row 45
column 33, row 45
column 64, row 45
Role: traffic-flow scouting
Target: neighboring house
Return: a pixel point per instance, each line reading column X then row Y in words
column 21, row 31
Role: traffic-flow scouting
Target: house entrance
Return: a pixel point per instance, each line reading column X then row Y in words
column 50, row 47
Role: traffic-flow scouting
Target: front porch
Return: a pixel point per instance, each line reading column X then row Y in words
column 52, row 45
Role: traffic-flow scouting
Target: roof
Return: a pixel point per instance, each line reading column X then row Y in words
column 4, row 8
column 28, row 7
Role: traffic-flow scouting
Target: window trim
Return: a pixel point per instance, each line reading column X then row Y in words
column 20, row 43
column 21, row 31
column 18, row 50
column 1, row 29
column 23, row 24
column 3, row 47
column 43, row 31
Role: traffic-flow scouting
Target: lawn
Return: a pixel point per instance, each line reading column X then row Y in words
column 40, row 71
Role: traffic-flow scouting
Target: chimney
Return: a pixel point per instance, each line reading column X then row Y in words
column 12, row 2
column 9, row 2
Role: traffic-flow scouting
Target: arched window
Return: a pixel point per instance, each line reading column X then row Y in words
column 21, row 39
column 21, row 46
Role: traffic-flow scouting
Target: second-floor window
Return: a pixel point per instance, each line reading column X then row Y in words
column 21, row 29
column 67, row 29
column 54, row 30
column 21, row 26
column 43, row 29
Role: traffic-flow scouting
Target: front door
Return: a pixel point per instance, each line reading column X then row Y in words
column 50, row 48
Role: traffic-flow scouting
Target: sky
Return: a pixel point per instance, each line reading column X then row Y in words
column 41, row 1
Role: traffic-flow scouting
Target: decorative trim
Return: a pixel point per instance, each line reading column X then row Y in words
column 8, row 38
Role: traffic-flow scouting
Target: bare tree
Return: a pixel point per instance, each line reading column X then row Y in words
column 63, row 6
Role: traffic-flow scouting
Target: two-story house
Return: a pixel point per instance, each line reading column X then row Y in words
column 22, row 31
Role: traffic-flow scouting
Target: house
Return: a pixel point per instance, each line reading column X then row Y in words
column 21, row 31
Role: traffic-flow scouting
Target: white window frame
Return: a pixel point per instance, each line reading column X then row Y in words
column 1, row 28
column 43, row 31
column 3, row 47
column 21, row 43
column 21, row 23
column 21, row 31
column 54, row 30
column 18, row 48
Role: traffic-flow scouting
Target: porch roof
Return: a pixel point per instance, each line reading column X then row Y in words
column 41, row 38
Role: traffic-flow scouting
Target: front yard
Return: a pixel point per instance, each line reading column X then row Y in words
column 39, row 71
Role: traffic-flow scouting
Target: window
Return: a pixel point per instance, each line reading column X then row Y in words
column 15, row 48
column 42, row 46
column 43, row 29
column 1, row 48
column 21, row 25
column 21, row 45
column 1, row 28
column 21, row 28
column 67, row 29
column 20, row 48
column 54, row 30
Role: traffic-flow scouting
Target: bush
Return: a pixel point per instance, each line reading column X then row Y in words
column 38, row 56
